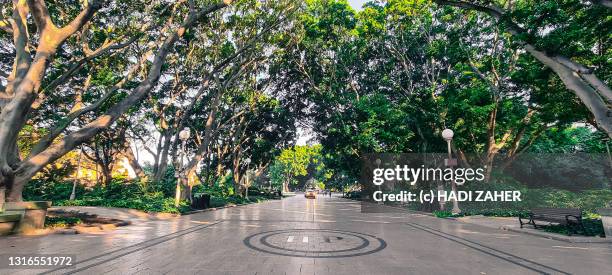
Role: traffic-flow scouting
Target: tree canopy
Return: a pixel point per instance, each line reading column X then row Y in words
column 114, row 79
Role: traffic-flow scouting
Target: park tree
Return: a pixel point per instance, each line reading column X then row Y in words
column 123, row 77
column 35, row 53
column 299, row 161
column 569, row 37
column 393, row 76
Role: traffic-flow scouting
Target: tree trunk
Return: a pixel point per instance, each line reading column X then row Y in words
column 208, row 131
column 129, row 155
column 162, row 165
column 107, row 175
column 574, row 75
column 236, row 174
column 586, row 93
column 489, row 165
column 14, row 113
column 514, row 153
column 16, row 191
column 2, row 198
column 492, row 147
column 185, row 190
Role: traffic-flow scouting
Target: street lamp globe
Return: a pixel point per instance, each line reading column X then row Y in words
column 447, row 134
column 184, row 134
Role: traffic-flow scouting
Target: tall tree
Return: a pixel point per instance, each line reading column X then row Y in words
column 543, row 37
column 28, row 74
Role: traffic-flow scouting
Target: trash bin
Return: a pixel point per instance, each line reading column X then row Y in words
column 200, row 201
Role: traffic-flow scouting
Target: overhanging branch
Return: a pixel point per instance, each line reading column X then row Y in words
column 35, row 163
column 106, row 48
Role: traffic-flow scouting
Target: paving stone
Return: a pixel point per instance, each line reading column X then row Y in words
column 213, row 242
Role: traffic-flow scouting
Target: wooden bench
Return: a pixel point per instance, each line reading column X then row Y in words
column 570, row 217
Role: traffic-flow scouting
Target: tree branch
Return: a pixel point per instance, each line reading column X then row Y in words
column 20, row 33
column 576, row 77
column 94, row 54
column 63, row 124
column 34, row 163
column 83, row 17
column 40, row 13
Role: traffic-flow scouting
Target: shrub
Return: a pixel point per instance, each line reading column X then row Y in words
column 588, row 201
column 148, row 204
column 148, row 196
column 39, row 189
column 62, row 221
column 443, row 214
column 592, row 227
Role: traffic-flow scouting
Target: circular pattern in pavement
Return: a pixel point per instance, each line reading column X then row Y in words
column 315, row 243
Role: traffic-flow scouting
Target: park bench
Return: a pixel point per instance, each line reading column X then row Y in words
column 570, row 217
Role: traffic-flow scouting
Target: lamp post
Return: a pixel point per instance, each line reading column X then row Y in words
column 183, row 136
column 447, row 135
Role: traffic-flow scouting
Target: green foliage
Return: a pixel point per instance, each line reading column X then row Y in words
column 592, row 227
column 320, row 185
column 443, row 214
column 219, row 189
column 391, row 77
column 151, row 202
column 50, row 190
column 570, row 140
column 588, row 201
column 62, row 221
column 117, row 194
column 166, row 185
column 299, row 161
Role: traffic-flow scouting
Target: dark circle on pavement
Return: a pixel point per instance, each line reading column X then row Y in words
column 261, row 238
column 364, row 243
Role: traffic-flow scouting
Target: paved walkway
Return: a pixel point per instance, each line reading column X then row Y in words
column 322, row 236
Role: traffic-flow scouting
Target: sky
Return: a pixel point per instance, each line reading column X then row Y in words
column 356, row 4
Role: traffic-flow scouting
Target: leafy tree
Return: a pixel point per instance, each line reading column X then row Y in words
column 298, row 161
